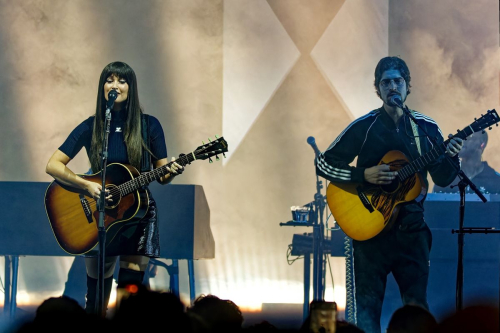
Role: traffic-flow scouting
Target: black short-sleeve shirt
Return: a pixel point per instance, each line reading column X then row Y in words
column 81, row 137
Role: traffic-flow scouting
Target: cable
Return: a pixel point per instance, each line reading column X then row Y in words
column 323, row 276
column 3, row 286
column 337, row 227
column 331, row 274
column 288, row 254
column 349, row 283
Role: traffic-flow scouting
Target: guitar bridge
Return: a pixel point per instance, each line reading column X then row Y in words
column 86, row 208
column 364, row 199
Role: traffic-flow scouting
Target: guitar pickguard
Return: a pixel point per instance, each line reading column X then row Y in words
column 384, row 201
column 386, row 197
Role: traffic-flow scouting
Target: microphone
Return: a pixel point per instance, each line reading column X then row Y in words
column 395, row 100
column 312, row 142
column 112, row 95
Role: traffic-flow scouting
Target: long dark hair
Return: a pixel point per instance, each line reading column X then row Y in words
column 132, row 131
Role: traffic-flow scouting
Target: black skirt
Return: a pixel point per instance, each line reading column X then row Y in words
column 137, row 238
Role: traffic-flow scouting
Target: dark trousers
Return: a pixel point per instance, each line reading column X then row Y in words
column 404, row 251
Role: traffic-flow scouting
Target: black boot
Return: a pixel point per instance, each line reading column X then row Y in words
column 90, row 305
column 129, row 276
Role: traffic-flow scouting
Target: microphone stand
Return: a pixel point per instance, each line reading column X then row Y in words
column 101, row 204
column 317, row 208
column 318, row 238
column 462, row 185
column 318, row 233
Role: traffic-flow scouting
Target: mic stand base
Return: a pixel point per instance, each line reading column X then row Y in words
column 100, row 309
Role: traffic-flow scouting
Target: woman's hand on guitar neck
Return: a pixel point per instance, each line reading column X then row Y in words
column 380, row 174
column 174, row 170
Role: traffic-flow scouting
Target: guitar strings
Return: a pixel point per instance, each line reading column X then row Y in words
column 156, row 172
column 183, row 160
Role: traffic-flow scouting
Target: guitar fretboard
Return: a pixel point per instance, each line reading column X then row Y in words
column 148, row 177
column 418, row 164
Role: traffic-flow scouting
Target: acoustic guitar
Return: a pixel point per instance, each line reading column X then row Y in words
column 73, row 215
column 363, row 210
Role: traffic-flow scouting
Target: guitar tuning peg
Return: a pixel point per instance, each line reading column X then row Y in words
column 216, row 137
column 475, row 119
column 490, row 128
column 210, row 160
column 496, row 124
column 209, row 140
column 217, row 157
column 203, row 142
column 225, row 154
column 483, row 132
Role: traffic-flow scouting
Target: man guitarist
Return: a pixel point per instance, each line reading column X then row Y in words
column 404, row 248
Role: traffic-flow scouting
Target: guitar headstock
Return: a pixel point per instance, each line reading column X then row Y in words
column 485, row 121
column 212, row 148
column 480, row 124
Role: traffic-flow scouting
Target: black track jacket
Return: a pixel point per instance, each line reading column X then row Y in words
column 370, row 137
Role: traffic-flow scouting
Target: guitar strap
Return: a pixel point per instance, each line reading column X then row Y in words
column 415, row 132
column 146, row 156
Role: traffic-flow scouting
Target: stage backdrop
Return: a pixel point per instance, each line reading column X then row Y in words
column 264, row 74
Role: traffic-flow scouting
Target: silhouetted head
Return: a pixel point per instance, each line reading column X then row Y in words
column 60, row 314
column 220, row 315
column 142, row 310
column 59, row 307
column 478, row 318
column 411, row 318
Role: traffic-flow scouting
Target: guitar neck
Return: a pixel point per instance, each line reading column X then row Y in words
column 421, row 162
column 424, row 160
column 148, row 177
column 480, row 124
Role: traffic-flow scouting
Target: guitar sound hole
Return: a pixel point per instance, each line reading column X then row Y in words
column 392, row 187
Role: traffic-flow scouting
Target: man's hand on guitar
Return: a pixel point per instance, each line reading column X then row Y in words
column 94, row 190
column 380, row 174
column 454, row 146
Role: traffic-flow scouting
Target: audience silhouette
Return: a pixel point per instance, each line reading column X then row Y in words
column 63, row 314
column 144, row 309
column 147, row 310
